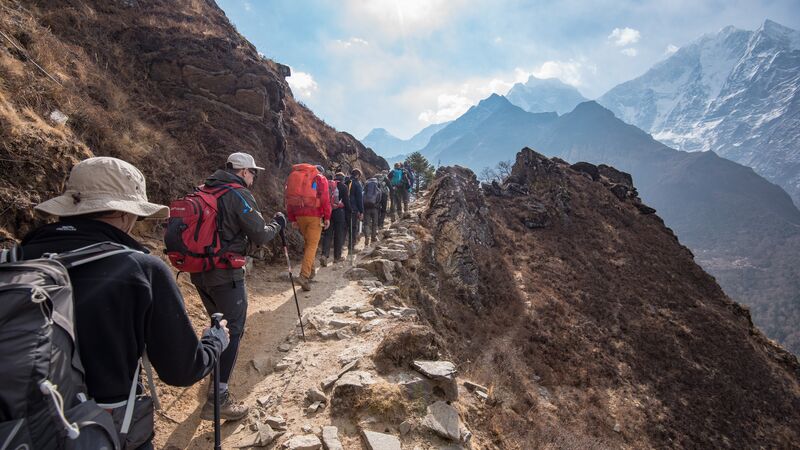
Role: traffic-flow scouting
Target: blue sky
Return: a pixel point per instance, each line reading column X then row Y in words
column 405, row 64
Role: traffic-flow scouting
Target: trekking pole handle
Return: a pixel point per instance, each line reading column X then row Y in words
column 216, row 318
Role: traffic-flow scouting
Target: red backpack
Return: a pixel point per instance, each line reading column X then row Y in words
column 333, row 189
column 192, row 235
column 301, row 190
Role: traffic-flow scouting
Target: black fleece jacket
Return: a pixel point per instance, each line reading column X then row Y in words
column 124, row 304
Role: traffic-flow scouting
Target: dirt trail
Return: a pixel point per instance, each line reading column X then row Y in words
column 271, row 322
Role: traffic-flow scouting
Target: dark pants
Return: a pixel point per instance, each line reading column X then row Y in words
column 335, row 234
column 230, row 299
column 371, row 223
column 397, row 203
column 382, row 209
column 352, row 231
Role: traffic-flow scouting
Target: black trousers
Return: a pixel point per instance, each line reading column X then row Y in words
column 230, row 299
column 335, row 234
column 382, row 209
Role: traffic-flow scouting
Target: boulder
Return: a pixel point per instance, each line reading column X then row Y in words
column 380, row 441
column 444, row 375
column 315, row 395
column 403, row 345
column 381, row 268
column 359, row 273
column 348, row 389
column 304, row 442
column 330, row 438
column 443, row 420
column 587, row 168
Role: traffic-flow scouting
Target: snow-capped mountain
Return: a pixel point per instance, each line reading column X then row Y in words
column 545, row 95
column 389, row 146
column 736, row 92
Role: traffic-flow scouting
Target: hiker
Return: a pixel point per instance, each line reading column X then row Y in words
column 124, row 303
column 222, row 288
column 335, row 234
column 372, row 203
column 386, row 192
column 397, row 181
column 308, row 207
column 356, row 212
column 412, row 177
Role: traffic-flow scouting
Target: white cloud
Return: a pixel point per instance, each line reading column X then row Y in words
column 448, row 107
column 302, row 84
column 352, row 42
column 629, row 52
column 248, row 6
column 624, row 36
column 498, row 40
column 671, row 49
column 394, row 19
column 569, row 72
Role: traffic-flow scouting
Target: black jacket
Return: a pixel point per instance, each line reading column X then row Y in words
column 356, row 196
column 124, row 304
column 343, row 195
column 242, row 225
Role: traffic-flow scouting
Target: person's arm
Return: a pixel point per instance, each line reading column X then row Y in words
column 250, row 219
column 325, row 197
column 172, row 345
column 359, row 197
column 344, row 196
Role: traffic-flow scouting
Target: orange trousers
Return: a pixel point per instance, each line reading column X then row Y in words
column 311, row 229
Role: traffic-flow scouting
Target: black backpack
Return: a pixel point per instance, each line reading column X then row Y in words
column 372, row 194
column 43, row 400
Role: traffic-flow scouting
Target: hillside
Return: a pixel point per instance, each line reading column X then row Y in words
column 734, row 92
column 167, row 85
column 743, row 229
column 590, row 321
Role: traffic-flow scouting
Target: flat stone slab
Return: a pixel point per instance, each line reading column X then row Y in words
column 443, row 420
column 339, row 323
column 330, row 438
column 304, row 442
column 380, row 441
column 437, row 370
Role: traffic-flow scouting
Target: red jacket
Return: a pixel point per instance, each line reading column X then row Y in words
column 324, row 209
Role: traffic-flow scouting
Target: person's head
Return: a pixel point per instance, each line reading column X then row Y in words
column 355, row 173
column 105, row 189
column 397, row 165
column 339, row 176
column 244, row 166
column 320, row 169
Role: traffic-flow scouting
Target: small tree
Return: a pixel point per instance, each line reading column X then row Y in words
column 499, row 173
column 422, row 168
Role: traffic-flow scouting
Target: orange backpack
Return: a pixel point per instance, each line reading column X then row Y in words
column 301, row 189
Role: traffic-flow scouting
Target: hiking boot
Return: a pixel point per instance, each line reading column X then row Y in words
column 323, row 261
column 338, row 260
column 229, row 409
column 313, row 274
column 366, row 242
column 305, row 282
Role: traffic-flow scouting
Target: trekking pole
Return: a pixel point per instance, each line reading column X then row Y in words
column 215, row 319
column 291, row 278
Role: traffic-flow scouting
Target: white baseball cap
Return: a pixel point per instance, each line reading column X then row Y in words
column 241, row 160
column 104, row 184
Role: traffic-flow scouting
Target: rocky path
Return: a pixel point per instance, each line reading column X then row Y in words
column 298, row 390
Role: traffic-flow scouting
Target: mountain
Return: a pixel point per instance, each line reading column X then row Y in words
column 169, row 86
column 390, row 146
column 743, row 229
column 589, row 320
column 545, row 95
column 735, row 92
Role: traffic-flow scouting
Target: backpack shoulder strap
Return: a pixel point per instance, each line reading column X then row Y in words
column 90, row 253
column 10, row 255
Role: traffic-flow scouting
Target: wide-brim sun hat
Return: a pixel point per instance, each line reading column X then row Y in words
column 104, row 184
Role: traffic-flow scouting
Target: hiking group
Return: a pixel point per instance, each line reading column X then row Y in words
column 86, row 308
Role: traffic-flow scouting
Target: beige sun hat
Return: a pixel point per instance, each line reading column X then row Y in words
column 241, row 160
column 104, row 184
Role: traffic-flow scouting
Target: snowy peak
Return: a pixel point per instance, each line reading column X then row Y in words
column 735, row 92
column 545, row 95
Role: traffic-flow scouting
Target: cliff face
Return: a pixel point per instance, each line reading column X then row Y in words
column 590, row 321
column 167, row 85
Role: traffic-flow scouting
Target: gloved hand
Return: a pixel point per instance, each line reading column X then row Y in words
column 280, row 219
column 220, row 333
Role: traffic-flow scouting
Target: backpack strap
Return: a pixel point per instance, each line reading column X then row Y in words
column 11, row 255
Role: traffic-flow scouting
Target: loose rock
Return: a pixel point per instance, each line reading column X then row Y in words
column 330, row 438
column 443, row 420
column 305, row 442
column 315, row 395
column 380, row 441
